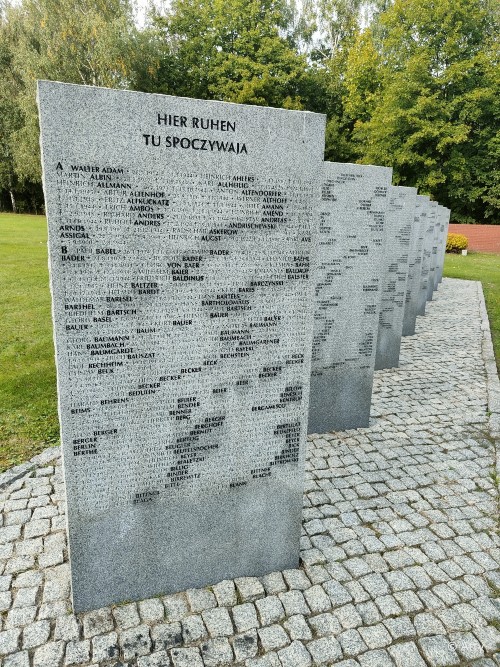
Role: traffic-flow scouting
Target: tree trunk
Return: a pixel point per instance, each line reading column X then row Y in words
column 12, row 196
column 13, row 200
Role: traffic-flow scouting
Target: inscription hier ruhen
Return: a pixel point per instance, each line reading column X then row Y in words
column 196, row 143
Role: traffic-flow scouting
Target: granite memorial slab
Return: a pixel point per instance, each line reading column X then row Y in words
column 180, row 248
column 445, row 220
column 434, row 252
column 414, row 266
column 349, row 276
column 400, row 215
column 426, row 256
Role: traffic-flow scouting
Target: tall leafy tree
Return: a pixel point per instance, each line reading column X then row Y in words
column 423, row 90
column 234, row 50
column 92, row 42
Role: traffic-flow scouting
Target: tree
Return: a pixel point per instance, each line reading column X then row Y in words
column 92, row 42
column 239, row 51
column 424, row 91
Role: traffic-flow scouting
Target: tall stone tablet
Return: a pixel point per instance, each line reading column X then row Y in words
column 442, row 250
column 412, row 298
column 400, row 214
column 426, row 256
column 431, row 285
column 180, row 242
column 349, row 276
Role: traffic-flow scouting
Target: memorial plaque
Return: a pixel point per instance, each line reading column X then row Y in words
column 412, row 298
column 349, row 274
column 180, row 242
column 445, row 221
column 426, row 256
column 434, row 252
column 400, row 214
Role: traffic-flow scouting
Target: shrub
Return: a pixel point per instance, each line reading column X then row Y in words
column 456, row 243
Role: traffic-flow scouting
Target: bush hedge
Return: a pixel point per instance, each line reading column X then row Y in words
column 456, row 243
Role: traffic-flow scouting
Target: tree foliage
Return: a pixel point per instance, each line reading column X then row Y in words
column 413, row 84
column 424, row 92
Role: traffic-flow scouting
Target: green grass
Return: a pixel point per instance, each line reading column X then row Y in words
column 486, row 268
column 28, row 404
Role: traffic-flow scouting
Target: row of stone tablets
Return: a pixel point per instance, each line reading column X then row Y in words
column 380, row 257
column 185, row 245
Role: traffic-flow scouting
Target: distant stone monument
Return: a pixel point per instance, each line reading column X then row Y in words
column 349, row 276
column 434, row 252
column 445, row 221
column 180, row 242
column 412, row 298
column 400, row 215
column 426, row 256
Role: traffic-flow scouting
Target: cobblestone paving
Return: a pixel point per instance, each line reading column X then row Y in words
column 400, row 547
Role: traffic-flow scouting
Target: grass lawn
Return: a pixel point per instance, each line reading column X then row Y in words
column 486, row 268
column 28, row 403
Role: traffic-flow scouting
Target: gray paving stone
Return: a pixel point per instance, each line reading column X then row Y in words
column 20, row 616
column 200, row 599
column 489, row 637
column 77, row 652
column 135, row 642
column 352, row 643
column 9, row 641
column 166, row 635
column 193, row 629
column 49, row 654
column 225, row 592
column 36, row 634
column 295, row 655
column 126, row 616
column 375, row 636
column 294, row 603
column 270, row 609
column 25, row 597
column 427, row 624
column 20, row 659
column 317, row 600
column 337, row 593
column 218, row 622
column 325, row 650
column 438, row 651
column 245, row 645
column 348, row 616
column 159, row 659
column 269, row 660
column 186, row 657
column 176, row 607
column 406, row 655
column 105, row 647
column 215, row 652
column 272, row 637
column 249, row 588
column 66, row 628
column 274, row 583
column 296, row 579
column 375, row 659
column 466, row 645
column 400, row 628
column 245, row 617
column 297, row 628
column 388, row 605
column 452, row 620
column 151, row 611
column 96, row 622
